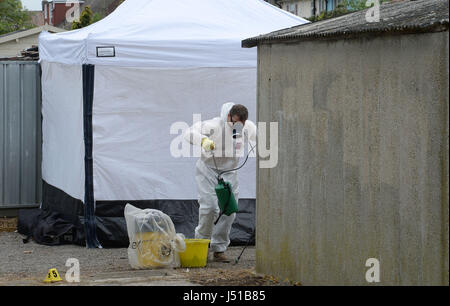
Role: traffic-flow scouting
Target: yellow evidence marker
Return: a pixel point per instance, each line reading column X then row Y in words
column 52, row 276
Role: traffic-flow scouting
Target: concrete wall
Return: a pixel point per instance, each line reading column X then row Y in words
column 363, row 160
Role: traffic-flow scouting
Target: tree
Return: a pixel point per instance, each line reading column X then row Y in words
column 13, row 17
column 86, row 18
column 97, row 17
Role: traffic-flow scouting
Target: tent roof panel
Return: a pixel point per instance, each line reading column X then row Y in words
column 161, row 33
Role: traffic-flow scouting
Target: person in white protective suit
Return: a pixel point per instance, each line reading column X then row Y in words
column 220, row 137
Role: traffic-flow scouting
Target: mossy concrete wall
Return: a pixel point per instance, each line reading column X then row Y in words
column 362, row 161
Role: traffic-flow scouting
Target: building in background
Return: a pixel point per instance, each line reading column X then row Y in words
column 55, row 11
column 37, row 18
column 12, row 44
column 308, row 8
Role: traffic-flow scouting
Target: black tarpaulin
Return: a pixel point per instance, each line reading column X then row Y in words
column 110, row 225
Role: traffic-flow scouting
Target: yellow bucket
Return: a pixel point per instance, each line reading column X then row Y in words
column 196, row 253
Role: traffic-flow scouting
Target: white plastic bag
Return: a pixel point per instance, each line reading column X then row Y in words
column 153, row 240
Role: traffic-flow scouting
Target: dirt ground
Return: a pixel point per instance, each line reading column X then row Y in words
column 28, row 264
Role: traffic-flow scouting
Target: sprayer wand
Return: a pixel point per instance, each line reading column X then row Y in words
column 225, row 171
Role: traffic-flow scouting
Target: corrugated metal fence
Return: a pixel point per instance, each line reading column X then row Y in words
column 20, row 134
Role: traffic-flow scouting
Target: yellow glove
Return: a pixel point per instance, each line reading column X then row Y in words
column 208, row 144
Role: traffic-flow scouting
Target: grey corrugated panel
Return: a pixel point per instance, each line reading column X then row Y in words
column 20, row 129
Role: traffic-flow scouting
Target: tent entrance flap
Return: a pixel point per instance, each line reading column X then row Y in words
column 89, row 202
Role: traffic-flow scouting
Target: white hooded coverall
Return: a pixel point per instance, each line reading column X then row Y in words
column 227, row 153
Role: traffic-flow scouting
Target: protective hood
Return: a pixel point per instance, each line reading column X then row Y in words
column 225, row 110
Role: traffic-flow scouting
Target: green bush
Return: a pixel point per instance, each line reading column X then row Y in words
column 86, row 18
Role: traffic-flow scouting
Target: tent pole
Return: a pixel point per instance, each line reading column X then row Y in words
column 89, row 202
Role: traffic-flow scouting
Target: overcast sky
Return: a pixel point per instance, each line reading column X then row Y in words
column 32, row 5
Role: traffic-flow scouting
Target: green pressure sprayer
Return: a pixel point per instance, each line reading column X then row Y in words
column 224, row 192
column 227, row 201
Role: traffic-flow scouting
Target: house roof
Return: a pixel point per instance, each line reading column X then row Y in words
column 24, row 33
column 395, row 17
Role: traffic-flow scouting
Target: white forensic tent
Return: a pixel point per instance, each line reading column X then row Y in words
column 117, row 94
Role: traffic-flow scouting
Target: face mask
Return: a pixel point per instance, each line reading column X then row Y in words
column 237, row 129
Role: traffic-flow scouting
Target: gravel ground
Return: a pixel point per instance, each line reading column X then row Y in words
column 28, row 264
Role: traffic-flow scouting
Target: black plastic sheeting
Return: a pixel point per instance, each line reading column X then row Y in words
column 110, row 222
column 50, row 228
